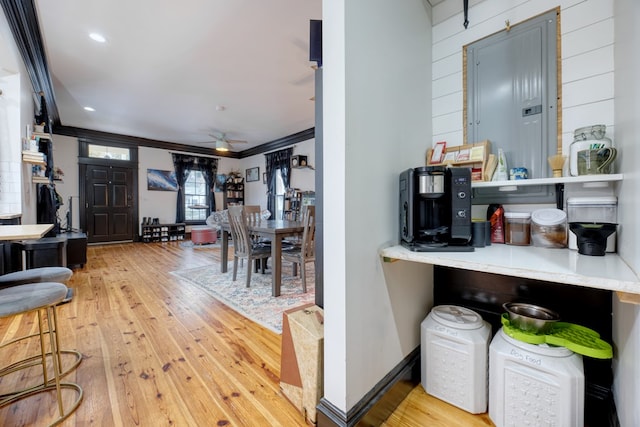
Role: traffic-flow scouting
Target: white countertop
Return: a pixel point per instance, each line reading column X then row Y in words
column 552, row 265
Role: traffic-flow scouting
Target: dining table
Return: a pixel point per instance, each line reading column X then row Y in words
column 275, row 230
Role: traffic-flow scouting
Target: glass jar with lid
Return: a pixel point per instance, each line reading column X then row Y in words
column 517, row 228
column 587, row 138
column 549, row 228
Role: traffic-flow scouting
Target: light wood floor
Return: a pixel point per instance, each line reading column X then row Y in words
column 160, row 352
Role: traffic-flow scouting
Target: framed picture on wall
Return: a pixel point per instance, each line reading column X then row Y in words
column 220, row 181
column 253, row 174
column 159, row 180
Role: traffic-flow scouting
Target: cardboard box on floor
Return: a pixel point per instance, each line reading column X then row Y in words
column 301, row 378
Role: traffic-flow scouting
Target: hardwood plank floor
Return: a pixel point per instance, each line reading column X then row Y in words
column 161, row 352
column 156, row 351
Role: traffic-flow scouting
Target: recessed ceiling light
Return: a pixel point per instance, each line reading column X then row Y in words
column 89, row 108
column 97, row 37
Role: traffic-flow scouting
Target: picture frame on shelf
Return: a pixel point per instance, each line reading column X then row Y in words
column 438, row 153
column 253, row 174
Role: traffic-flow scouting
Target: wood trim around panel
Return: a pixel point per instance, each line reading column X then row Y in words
column 558, row 81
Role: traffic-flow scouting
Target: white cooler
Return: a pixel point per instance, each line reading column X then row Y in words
column 454, row 343
column 534, row 385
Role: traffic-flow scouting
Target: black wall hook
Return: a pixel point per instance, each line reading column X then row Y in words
column 466, row 13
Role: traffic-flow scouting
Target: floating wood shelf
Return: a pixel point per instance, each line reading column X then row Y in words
column 476, row 156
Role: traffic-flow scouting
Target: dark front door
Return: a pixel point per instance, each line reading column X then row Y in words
column 109, row 203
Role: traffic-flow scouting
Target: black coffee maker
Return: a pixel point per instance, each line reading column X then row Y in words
column 435, row 209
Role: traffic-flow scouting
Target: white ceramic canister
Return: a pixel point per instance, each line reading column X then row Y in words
column 454, row 344
column 534, row 385
column 584, row 139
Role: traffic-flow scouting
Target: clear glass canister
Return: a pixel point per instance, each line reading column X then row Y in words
column 587, row 138
column 549, row 228
column 517, row 230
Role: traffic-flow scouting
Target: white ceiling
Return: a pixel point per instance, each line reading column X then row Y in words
column 168, row 67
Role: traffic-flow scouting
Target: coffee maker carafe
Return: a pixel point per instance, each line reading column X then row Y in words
column 435, row 209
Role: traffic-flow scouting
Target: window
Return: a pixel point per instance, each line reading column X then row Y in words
column 280, row 191
column 106, row 152
column 196, row 197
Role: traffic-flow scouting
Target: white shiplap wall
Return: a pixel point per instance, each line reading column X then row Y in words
column 587, row 60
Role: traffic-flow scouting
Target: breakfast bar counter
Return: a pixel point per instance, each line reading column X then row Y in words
column 565, row 266
column 21, row 232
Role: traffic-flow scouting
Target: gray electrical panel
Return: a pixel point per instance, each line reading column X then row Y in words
column 512, row 102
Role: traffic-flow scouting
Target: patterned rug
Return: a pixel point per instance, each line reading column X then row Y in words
column 255, row 302
column 190, row 244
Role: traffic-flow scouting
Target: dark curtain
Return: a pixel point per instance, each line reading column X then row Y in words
column 182, row 164
column 209, row 168
column 48, row 203
column 46, row 146
column 274, row 161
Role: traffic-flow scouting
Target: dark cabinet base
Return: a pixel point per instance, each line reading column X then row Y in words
column 64, row 250
column 45, row 252
column 76, row 248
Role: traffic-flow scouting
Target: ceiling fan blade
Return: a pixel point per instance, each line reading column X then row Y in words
column 235, row 141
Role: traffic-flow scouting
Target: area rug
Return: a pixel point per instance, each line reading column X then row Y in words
column 190, row 244
column 255, row 302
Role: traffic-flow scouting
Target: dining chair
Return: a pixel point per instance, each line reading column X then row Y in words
column 253, row 216
column 243, row 245
column 306, row 252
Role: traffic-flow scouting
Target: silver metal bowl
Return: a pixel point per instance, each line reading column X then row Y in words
column 531, row 318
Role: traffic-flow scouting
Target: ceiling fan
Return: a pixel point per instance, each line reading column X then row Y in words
column 224, row 144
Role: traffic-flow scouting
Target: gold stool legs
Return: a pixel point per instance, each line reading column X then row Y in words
column 48, row 384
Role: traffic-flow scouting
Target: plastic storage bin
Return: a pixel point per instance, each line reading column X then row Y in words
column 534, row 385
column 593, row 209
column 454, row 348
column 549, row 228
column 517, row 228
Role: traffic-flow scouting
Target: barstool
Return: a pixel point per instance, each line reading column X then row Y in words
column 40, row 298
column 37, row 275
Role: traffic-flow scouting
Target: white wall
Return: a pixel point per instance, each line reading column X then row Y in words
column 161, row 204
column 65, row 157
column 588, row 82
column 626, row 324
column 587, row 61
column 359, row 119
column 10, row 144
column 376, row 96
column 304, row 179
column 16, row 112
